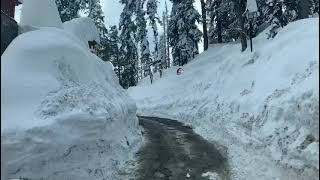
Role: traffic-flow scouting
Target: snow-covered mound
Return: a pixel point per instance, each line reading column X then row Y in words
column 263, row 105
column 40, row 13
column 83, row 28
column 64, row 114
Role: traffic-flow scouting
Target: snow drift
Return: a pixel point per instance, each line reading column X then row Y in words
column 263, row 106
column 83, row 28
column 40, row 13
column 64, row 114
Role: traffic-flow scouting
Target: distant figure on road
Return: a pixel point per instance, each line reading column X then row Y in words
column 151, row 77
column 179, row 71
column 160, row 70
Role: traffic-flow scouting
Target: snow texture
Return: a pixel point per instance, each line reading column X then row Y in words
column 84, row 28
column 64, row 114
column 40, row 13
column 262, row 106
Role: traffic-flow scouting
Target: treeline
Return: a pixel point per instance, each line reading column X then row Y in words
column 228, row 19
column 127, row 45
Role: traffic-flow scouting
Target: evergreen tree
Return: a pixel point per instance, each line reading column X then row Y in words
column 96, row 14
column 105, row 51
column 164, row 53
column 315, row 7
column 128, row 49
column 278, row 13
column 162, row 50
column 152, row 6
column 222, row 18
column 240, row 8
column 143, row 38
column 167, row 36
column 68, row 9
column 204, row 24
column 183, row 31
column 163, row 43
column 304, row 9
column 173, row 33
column 112, row 49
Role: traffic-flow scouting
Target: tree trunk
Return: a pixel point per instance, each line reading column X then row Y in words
column 204, row 25
column 150, row 74
column 240, row 7
column 119, row 73
column 167, row 38
column 164, row 41
column 219, row 28
column 118, row 62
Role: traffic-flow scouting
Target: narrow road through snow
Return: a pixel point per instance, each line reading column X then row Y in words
column 174, row 152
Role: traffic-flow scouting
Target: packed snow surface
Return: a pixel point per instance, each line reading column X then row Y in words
column 64, row 114
column 83, row 28
column 263, row 106
column 40, row 13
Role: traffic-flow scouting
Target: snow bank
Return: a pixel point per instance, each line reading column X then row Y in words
column 263, row 105
column 64, row 114
column 40, row 13
column 84, row 28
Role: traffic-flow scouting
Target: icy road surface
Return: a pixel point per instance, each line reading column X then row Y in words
column 174, row 151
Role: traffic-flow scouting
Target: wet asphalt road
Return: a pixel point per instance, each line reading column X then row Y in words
column 175, row 152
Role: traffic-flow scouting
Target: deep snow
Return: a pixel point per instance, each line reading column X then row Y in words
column 83, row 28
column 40, row 13
column 263, row 106
column 64, row 114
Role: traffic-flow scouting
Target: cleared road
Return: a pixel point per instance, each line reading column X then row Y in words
column 175, row 152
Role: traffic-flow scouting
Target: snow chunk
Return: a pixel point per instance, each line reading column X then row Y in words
column 252, row 6
column 312, row 154
column 40, row 13
column 211, row 175
column 41, row 69
column 84, row 28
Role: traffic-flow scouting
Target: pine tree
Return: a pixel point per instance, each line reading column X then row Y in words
column 221, row 17
column 128, row 47
column 163, row 43
column 304, row 8
column 278, row 13
column 173, row 33
column 240, row 7
column 163, row 50
column 96, row 14
column 271, row 13
column 167, row 36
column 183, row 31
column 152, row 6
column 68, row 9
column 112, row 44
column 142, row 38
column 315, row 7
column 204, row 25
column 105, row 51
